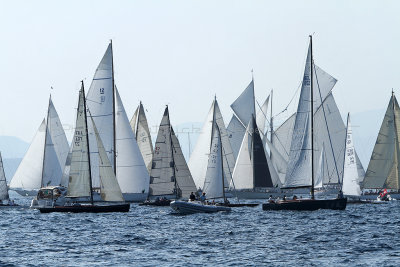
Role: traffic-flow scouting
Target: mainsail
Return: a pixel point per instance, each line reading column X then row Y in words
column 199, row 158
column 142, row 133
column 298, row 172
column 100, row 102
column 3, row 182
column 79, row 174
column 131, row 171
column 162, row 175
column 351, row 185
column 214, row 180
column 383, row 168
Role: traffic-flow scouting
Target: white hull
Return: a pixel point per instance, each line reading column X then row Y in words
column 183, row 207
column 374, row 196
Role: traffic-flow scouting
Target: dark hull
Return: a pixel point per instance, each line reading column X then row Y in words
column 88, row 208
column 239, row 205
column 307, row 204
column 155, row 203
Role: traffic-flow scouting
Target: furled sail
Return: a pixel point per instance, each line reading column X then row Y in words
column 79, row 174
column 199, row 158
column 262, row 116
column 321, row 170
column 298, row 172
column 100, row 102
column 131, row 171
column 162, row 175
column 351, row 186
column 383, row 168
column 141, row 129
column 3, row 182
column 109, row 187
column 182, row 173
column 214, row 180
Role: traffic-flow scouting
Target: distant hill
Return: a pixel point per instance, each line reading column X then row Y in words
column 12, row 147
column 10, row 167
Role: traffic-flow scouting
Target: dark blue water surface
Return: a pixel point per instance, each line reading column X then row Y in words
column 362, row 235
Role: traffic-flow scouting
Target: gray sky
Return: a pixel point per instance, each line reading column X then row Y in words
column 181, row 53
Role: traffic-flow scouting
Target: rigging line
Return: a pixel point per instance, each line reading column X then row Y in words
column 285, row 109
column 326, row 123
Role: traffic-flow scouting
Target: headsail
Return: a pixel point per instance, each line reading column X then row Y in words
column 321, row 170
column 262, row 116
column 383, row 168
column 235, row 131
column 131, row 171
column 3, row 182
column 182, row 173
column 141, row 129
column 351, row 185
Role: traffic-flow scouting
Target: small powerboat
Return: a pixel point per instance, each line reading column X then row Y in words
column 191, row 207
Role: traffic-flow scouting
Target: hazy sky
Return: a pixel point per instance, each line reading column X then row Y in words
column 181, row 53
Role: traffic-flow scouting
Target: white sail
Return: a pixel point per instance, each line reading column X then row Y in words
column 321, row 170
column 262, row 116
column 351, row 185
column 183, row 176
column 143, row 137
column 299, row 165
column 323, row 85
column 383, row 167
column 67, row 168
column 3, row 182
column 79, row 174
column 109, row 187
column 132, row 174
column 278, row 162
column 214, row 180
column 100, row 102
column 199, row 158
column 29, row 173
column 162, row 176
column 243, row 172
column 235, row 132
column 52, row 172
column 244, row 106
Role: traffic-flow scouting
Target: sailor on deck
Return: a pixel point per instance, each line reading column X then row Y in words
column 203, row 198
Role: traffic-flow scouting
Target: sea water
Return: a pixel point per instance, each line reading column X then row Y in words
column 362, row 235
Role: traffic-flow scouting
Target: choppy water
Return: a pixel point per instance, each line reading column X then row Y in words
column 362, row 235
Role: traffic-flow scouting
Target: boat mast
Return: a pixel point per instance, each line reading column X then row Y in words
column 137, row 120
column 345, row 146
column 113, row 109
column 213, row 121
column 173, row 157
column 271, row 123
column 87, row 141
column 312, row 122
column 222, row 163
column 45, row 141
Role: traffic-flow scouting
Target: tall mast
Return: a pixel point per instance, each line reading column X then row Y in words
column 113, row 109
column 137, row 120
column 87, row 141
column 213, row 121
column 253, row 129
column 271, row 124
column 45, row 141
column 173, row 158
column 222, row 163
column 345, row 146
column 312, row 122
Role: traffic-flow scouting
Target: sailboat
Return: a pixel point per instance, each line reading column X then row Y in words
column 80, row 176
column 300, row 170
column 170, row 177
column 383, row 170
column 213, row 188
column 4, row 196
column 119, row 141
column 141, row 130
column 44, row 161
